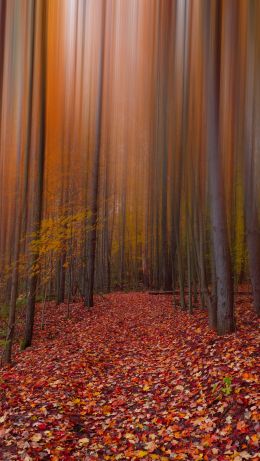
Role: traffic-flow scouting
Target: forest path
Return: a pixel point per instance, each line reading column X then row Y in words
column 131, row 379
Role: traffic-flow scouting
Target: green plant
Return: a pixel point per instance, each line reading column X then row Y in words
column 227, row 388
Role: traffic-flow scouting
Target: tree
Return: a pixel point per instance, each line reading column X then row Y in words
column 41, row 19
column 94, row 181
column 225, row 308
column 251, row 199
column 2, row 49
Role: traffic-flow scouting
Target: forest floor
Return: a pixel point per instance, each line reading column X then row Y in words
column 132, row 379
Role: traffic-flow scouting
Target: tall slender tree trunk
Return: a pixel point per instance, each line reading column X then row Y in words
column 251, row 199
column 122, row 235
column 212, row 308
column 2, row 49
column 94, row 186
column 41, row 19
column 225, row 311
column 14, row 289
column 61, row 276
column 18, row 211
column 189, row 270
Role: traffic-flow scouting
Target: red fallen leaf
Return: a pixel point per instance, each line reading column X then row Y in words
column 117, row 403
column 42, row 426
column 38, row 385
column 4, row 386
column 118, row 390
column 60, row 434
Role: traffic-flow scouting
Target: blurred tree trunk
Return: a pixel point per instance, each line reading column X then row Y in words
column 225, row 308
column 251, row 199
column 41, row 20
column 61, row 276
column 14, row 283
column 94, row 181
column 2, row 51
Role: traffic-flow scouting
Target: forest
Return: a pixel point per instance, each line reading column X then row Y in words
column 129, row 230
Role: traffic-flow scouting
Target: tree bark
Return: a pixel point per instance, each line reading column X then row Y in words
column 251, row 209
column 225, row 312
column 41, row 13
column 94, row 187
column 2, row 49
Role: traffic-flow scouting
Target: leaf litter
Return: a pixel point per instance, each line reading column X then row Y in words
column 133, row 379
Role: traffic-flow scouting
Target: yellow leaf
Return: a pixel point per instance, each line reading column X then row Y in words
column 129, row 436
column 146, row 387
column 44, row 411
column 141, row 454
column 36, row 437
column 83, row 441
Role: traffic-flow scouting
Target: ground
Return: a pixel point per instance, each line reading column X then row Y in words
column 132, row 379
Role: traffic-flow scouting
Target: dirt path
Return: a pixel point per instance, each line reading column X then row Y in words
column 132, row 379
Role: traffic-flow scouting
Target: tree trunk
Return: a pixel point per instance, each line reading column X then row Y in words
column 38, row 204
column 251, row 208
column 225, row 312
column 94, row 186
column 14, row 288
column 2, row 49
column 61, row 275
